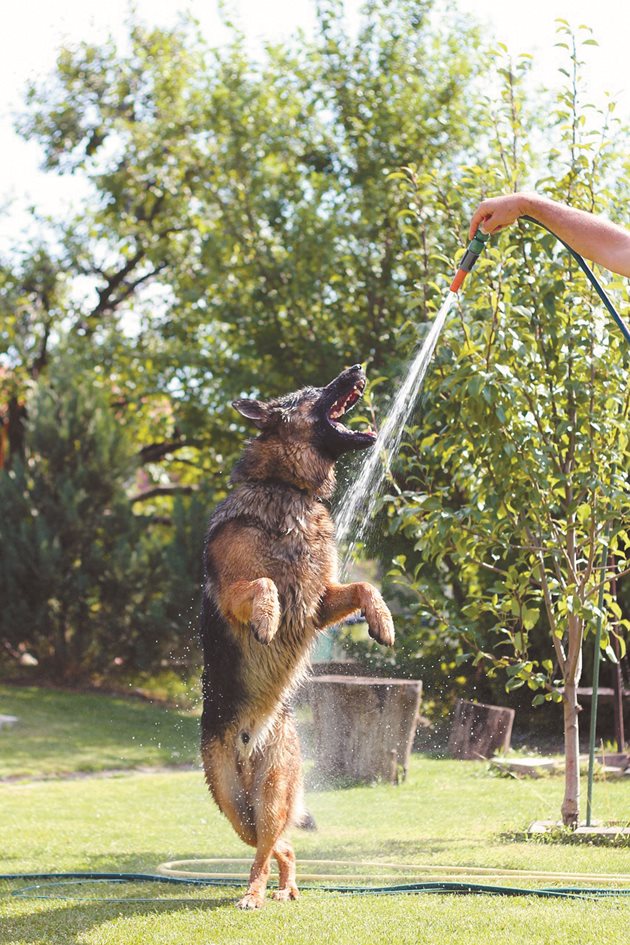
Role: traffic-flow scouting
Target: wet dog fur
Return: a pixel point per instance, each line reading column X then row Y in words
column 271, row 586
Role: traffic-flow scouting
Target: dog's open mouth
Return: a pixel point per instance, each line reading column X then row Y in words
column 343, row 405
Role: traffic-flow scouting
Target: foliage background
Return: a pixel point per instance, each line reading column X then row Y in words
column 250, row 230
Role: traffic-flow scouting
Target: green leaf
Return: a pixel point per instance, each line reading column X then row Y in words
column 610, row 653
column 530, row 617
column 583, row 513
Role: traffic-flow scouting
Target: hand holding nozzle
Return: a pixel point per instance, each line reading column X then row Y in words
column 471, row 256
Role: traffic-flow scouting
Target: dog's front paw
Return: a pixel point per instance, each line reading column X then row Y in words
column 379, row 620
column 264, row 630
column 383, row 630
column 265, row 612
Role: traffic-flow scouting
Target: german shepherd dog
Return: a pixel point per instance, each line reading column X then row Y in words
column 271, row 587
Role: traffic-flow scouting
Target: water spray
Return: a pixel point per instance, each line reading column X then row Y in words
column 376, row 467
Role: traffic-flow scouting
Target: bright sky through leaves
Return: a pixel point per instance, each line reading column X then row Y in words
column 34, row 29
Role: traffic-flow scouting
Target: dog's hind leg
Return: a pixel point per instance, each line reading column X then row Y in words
column 287, row 885
column 272, row 816
column 227, row 789
column 275, row 797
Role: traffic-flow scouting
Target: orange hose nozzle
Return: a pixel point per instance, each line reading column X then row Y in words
column 460, row 275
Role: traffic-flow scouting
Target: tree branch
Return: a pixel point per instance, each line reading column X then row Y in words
column 153, row 452
column 557, row 642
column 163, row 490
column 113, row 282
column 614, row 576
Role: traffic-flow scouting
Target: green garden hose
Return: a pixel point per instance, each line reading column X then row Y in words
column 190, row 869
column 592, row 278
column 478, row 243
column 53, row 885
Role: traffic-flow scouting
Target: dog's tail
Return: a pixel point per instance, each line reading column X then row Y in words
column 305, row 820
column 302, row 817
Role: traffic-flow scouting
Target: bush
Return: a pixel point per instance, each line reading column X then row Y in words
column 85, row 584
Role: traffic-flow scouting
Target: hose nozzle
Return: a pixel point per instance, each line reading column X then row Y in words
column 471, row 256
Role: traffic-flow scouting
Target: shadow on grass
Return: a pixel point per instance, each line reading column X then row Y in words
column 69, row 923
column 80, row 908
column 565, row 835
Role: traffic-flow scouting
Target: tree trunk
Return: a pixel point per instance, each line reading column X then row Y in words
column 60, row 645
column 479, row 730
column 620, row 735
column 16, row 420
column 571, row 802
column 364, row 726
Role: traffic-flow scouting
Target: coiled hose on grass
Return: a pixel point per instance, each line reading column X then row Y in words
column 58, row 885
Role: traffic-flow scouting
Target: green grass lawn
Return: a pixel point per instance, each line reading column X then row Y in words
column 447, row 812
column 63, row 732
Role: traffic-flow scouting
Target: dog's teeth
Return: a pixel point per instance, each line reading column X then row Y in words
column 343, row 404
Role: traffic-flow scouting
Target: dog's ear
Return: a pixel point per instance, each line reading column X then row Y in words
column 257, row 411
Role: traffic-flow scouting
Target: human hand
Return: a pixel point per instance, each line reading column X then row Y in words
column 496, row 213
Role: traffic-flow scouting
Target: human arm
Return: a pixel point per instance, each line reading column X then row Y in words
column 591, row 236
